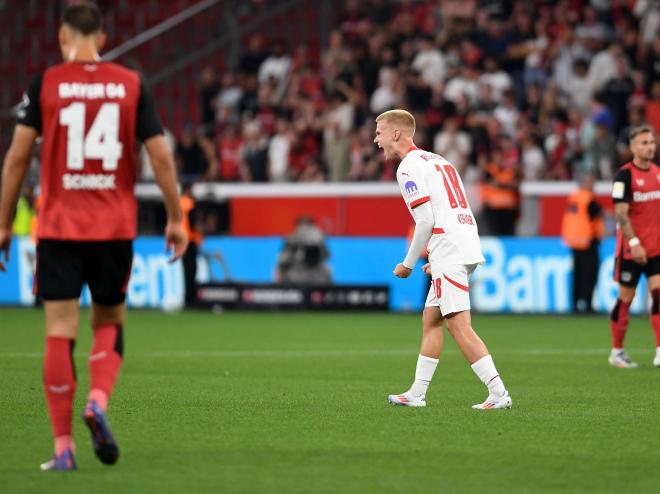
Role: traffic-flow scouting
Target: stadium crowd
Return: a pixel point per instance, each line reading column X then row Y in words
column 506, row 90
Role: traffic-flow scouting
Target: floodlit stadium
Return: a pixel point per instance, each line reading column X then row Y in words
column 277, row 288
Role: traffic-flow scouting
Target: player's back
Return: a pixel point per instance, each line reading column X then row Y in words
column 88, row 165
column 428, row 175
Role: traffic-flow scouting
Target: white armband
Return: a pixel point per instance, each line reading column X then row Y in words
column 424, row 222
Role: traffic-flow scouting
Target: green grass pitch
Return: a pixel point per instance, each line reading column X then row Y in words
column 296, row 403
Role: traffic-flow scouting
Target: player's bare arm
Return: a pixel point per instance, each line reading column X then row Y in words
column 636, row 249
column 165, row 174
column 17, row 162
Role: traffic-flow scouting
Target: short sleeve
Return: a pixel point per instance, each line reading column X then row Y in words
column 413, row 185
column 29, row 109
column 148, row 122
column 621, row 187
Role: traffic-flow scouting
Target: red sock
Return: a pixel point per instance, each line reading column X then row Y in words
column 104, row 362
column 619, row 322
column 60, row 386
column 655, row 315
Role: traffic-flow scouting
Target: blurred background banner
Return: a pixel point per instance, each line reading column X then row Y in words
column 530, row 275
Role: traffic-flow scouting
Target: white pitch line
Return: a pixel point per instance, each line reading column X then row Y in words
column 327, row 353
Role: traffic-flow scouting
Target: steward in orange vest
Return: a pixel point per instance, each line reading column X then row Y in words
column 500, row 193
column 195, row 238
column 582, row 230
column 583, row 220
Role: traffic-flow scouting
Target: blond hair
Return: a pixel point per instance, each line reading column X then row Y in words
column 399, row 117
column 642, row 129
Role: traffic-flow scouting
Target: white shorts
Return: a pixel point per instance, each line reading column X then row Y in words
column 449, row 288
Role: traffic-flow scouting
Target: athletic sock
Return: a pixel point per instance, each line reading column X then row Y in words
column 485, row 370
column 655, row 315
column 60, row 386
column 423, row 375
column 104, row 362
column 619, row 322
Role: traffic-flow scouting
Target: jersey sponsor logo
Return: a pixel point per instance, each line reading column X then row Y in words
column 92, row 181
column 646, row 196
column 618, row 190
column 411, row 189
column 465, row 219
column 21, row 110
column 97, row 90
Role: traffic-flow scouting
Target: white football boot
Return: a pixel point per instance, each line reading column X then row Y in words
column 407, row 400
column 495, row 402
column 656, row 360
column 621, row 360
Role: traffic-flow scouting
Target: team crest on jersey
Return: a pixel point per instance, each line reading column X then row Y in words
column 411, row 188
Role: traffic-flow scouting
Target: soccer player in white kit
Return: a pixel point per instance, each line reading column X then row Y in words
column 434, row 194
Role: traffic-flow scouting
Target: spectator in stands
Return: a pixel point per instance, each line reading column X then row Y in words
column 417, row 92
column 146, row 171
column 191, row 161
column 313, row 171
column 652, row 64
column 366, row 161
column 253, row 157
column 592, row 33
column 579, row 86
column 653, row 107
column 389, row 93
column 276, row 66
column 230, row 145
column 533, row 159
column 337, row 127
column 601, row 156
column 453, row 144
column 208, row 92
column 279, row 150
column 228, row 101
column 617, row 92
column 429, row 61
column 603, row 66
column 507, row 113
column 636, row 118
column 254, row 56
column 496, row 78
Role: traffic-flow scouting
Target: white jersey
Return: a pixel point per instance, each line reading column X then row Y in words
column 424, row 176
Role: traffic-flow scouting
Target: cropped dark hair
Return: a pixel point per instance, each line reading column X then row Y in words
column 84, row 17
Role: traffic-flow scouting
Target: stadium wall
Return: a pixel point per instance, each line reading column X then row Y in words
column 521, row 275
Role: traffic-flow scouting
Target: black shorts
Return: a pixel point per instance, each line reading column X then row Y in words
column 628, row 272
column 63, row 267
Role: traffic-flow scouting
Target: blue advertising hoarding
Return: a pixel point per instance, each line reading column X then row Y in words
column 520, row 274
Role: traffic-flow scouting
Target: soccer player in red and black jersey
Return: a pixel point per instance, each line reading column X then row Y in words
column 636, row 195
column 90, row 115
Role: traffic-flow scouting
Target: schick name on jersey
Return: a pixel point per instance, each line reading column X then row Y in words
column 96, row 90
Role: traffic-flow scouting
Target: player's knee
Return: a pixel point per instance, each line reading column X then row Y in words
column 103, row 314
column 655, row 301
